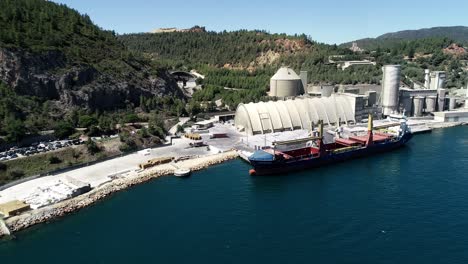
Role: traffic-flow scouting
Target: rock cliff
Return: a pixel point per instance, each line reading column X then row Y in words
column 50, row 76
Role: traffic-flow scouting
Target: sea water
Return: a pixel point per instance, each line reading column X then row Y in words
column 406, row 206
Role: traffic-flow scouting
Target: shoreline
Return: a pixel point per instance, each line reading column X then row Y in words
column 30, row 218
column 44, row 214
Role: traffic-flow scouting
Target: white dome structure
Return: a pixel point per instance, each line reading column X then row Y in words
column 285, row 83
column 268, row 117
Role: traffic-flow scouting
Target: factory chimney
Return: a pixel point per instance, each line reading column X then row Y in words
column 427, row 78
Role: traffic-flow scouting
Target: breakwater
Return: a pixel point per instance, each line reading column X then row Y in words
column 48, row 213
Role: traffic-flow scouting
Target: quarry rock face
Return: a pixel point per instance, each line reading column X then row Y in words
column 49, row 76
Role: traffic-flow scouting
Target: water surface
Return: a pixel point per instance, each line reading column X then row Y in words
column 407, row 206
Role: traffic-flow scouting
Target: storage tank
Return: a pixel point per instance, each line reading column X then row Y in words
column 437, row 80
column 285, row 83
column 418, row 102
column 390, row 88
column 452, row 103
column 427, row 78
column 303, row 76
column 327, row 90
column 431, row 102
column 441, row 100
column 407, row 105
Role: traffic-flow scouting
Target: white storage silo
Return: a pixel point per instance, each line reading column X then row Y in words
column 390, row 88
column 285, row 83
column 452, row 103
column 327, row 90
column 427, row 78
column 437, row 80
column 431, row 103
column 441, row 100
column 418, row 103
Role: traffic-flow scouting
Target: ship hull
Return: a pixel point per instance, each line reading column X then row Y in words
column 286, row 166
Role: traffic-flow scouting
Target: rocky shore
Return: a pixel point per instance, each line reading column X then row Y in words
column 47, row 213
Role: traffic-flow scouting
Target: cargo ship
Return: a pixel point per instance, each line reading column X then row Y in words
column 317, row 153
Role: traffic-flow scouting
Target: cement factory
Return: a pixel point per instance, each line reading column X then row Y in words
column 297, row 105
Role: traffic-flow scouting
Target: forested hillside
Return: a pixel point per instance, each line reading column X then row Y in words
column 55, row 63
column 247, row 59
column 456, row 34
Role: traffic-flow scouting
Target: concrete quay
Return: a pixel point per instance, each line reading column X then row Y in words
column 53, row 211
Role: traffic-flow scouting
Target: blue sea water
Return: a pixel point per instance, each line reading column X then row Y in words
column 407, row 206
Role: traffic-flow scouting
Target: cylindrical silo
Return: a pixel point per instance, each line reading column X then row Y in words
column 441, row 100
column 452, row 103
column 407, row 105
column 427, row 78
column 418, row 102
column 303, row 76
column 285, row 83
column 437, row 80
column 390, row 88
column 327, row 90
column 431, row 103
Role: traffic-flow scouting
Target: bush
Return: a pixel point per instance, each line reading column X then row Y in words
column 128, row 146
column 180, row 129
column 131, row 118
column 16, row 174
column 54, row 160
column 143, row 132
column 3, row 166
column 92, row 147
column 87, row 121
column 64, row 130
column 94, row 131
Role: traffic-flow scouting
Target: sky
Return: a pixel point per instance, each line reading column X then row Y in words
column 327, row 21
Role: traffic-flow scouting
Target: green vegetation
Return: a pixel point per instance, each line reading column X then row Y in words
column 240, row 60
column 54, row 160
column 41, row 26
column 92, row 147
column 33, row 165
column 185, row 49
column 38, row 29
column 457, row 34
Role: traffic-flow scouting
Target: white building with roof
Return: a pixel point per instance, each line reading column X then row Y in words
column 300, row 113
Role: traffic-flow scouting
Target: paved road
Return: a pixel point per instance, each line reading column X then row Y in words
column 182, row 121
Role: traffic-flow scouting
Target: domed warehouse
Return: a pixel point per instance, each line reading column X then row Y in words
column 285, row 83
column 300, row 113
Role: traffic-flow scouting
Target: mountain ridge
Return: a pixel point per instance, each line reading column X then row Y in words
column 455, row 33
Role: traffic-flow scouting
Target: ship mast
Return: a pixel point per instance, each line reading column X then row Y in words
column 370, row 127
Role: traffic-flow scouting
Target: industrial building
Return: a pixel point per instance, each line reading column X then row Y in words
column 295, row 105
column 302, row 113
column 452, row 116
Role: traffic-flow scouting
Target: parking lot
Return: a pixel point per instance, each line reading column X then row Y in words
column 37, row 148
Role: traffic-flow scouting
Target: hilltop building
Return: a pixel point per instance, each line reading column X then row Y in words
column 356, row 48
